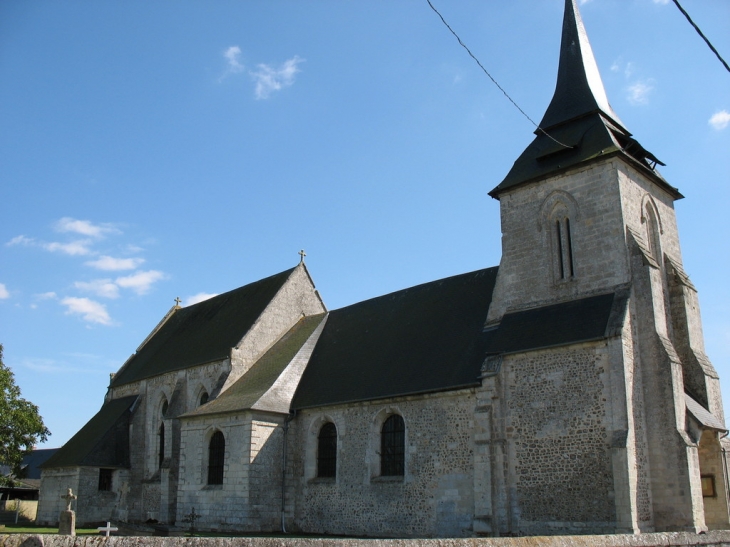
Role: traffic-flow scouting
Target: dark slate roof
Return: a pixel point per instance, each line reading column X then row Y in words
column 580, row 118
column 422, row 339
column 250, row 387
column 33, row 460
column 579, row 89
column 102, row 442
column 203, row 332
column 584, row 320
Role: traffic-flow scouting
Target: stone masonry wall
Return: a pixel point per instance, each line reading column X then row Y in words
column 433, row 498
column 527, row 276
column 250, row 495
column 54, row 483
column 712, row 539
column 557, row 430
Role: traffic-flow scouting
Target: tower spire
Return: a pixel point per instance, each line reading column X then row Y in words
column 579, row 125
column 579, row 89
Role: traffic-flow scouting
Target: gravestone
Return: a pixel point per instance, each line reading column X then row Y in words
column 107, row 529
column 67, row 519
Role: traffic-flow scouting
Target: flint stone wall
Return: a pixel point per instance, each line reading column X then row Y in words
column 435, row 497
column 711, row 539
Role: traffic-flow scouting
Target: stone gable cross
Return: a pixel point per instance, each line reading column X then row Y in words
column 302, row 254
column 177, row 301
column 69, row 497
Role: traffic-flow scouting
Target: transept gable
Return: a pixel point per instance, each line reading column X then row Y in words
column 203, row 332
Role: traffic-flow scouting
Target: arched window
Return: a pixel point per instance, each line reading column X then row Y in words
column 559, row 217
column 327, row 451
column 161, row 445
column 203, row 398
column 392, row 446
column 216, row 458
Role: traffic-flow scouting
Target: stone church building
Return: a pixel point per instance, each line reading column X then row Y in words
column 566, row 390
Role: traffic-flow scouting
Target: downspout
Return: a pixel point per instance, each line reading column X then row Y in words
column 289, row 418
column 724, row 471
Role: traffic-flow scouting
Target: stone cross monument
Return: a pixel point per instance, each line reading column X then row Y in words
column 67, row 519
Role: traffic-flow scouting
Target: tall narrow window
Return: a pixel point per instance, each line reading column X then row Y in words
column 203, row 398
column 652, row 234
column 392, row 446
column 564, row 248
column 216, row 458
column 161, row 444
column 327, row 451
column 569, row 242
column 559, row 233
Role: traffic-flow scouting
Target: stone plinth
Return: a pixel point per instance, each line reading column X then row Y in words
column 67, row 523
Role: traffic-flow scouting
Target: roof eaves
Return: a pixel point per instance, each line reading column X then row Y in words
column 476, row 383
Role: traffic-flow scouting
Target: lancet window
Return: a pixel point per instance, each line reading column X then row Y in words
column 564, row 248
column 327, row 451
column 392, row 446
column 216, row 458
column 161, row 435
column 652, row 232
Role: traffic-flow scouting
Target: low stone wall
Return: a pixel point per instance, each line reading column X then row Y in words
column 717, row 538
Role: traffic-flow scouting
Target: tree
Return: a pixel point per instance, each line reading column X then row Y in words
column 21, row 426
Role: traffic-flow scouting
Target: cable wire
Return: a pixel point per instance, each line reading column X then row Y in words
column 676, row 2
column 491, row 78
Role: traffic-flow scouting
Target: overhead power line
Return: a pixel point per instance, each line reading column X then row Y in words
column 491, row 78
column 701, row 34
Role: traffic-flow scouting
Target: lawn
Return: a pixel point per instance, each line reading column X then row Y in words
column 30, row 529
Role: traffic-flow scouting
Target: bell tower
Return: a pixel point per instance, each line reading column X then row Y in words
column 585, row 212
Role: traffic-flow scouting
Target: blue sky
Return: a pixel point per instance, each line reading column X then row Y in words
column 150, row 150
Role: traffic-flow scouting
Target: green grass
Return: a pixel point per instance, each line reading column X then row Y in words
column 30, row 529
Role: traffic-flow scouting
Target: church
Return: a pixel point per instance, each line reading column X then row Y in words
column 564, row 391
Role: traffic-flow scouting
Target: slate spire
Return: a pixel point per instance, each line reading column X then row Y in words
column 579, row 89
column 579, row 125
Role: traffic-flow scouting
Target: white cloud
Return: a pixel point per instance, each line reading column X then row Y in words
column 661, row 2
column 79, row 247
column 89, row 310
column 109, row 263
column 21, row 240
column 638, row 93
column 73, row 248
column 105, row 288
column 200, row 297
column 232, row 55
column 140, row 282
column 269, row 79
column 85, row 227
column 4, row 292
column 720, row 120
column 46, row 296
column 629, row 70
